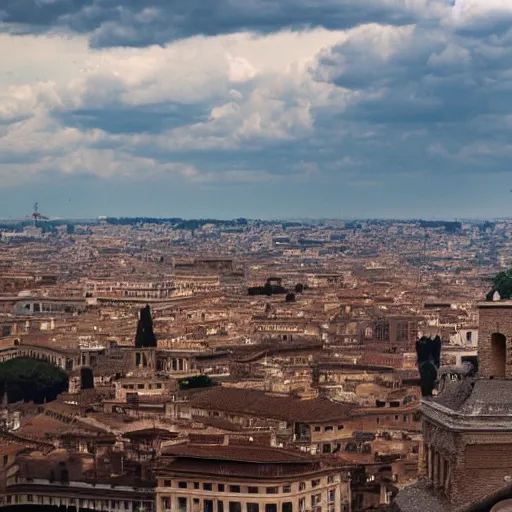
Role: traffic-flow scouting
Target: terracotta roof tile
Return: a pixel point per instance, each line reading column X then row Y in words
column 252, row 402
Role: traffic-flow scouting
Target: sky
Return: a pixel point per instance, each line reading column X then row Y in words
column 256, row 108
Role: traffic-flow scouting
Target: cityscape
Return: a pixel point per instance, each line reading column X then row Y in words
column 202, row 365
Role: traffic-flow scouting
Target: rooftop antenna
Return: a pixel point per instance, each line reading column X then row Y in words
column 36, row 215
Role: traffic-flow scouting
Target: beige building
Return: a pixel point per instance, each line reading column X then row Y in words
column 248, row 478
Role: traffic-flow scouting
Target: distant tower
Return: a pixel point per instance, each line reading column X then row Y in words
column 145, row 336
column 36, row 215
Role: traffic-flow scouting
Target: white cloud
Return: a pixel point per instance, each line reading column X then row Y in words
column 359, row 99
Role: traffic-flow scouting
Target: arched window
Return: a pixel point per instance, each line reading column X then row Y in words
column 498, row 354
column 351, row 447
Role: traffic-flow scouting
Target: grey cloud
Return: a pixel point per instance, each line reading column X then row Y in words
column 427, row 78
column 123, row 119
column 135, row 23
column 417, row 99
column 427, row 101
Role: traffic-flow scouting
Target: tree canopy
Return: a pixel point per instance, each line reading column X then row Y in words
column 145, row 337
column 428, row 352
column 197, row 381
column 502, row 284
column 27, row 379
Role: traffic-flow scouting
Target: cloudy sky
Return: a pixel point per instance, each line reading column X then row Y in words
column 256, row 108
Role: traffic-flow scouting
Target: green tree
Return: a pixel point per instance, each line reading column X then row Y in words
column 197, row 381
column 28, row 380
column 502, row 283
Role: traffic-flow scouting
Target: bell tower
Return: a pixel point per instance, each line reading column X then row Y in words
column 495, row 339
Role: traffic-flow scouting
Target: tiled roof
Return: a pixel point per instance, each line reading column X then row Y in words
column 257, row 403
column 478, row 396
column 224, row 469
column 237, row 453
column 420, row 497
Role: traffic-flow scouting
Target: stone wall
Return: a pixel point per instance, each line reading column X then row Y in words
column 466, row 467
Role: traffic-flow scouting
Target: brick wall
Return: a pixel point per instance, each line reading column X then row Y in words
column 475, row 474
column 494, row 320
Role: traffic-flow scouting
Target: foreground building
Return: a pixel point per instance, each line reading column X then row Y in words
column 467, row 429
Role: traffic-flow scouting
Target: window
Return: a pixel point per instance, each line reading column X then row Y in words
column 340, row 427
column 235, row 506
column 469, row 336
column 382, row 331
column 5, row 460
column 287, row 488
column 30, row 498
column 331, row 495
column 253, row 507
column 196, row 485
column 330, row 479
column 159, row 386
column 498, row 354
column 377, row 420
column 396, row 417
column 315, row 483
column 196, row 501
column 287, row 507
column 167, row 483
column 253, row 490
column 182, row 504
column 302, row 486
column 221, row 487
column 182, row 485
column 316, row 499
column 402, row 331
column 220, row 506
column 234, row 488
column 208, row 505
column 317, row 429
column 208, row 487
column 329, row 428
column 270, row 507
column 140, row 386
column 302, row 504
column 272, row 490
column 166, row 503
